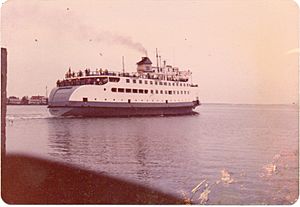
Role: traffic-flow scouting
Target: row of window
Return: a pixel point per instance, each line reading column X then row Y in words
column 136, row 100
column 145, row 91
column 87, row 81
column 157, row 82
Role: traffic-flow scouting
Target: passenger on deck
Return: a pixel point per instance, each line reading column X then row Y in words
column 68, row 74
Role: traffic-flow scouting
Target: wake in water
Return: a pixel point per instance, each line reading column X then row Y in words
column 12, row 118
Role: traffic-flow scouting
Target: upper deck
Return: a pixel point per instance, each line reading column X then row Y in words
column 101, row 78
column 145, row 71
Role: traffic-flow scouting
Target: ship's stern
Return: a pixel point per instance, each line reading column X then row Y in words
column 59, row 100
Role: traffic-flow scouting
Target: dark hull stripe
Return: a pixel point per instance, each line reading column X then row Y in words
column 100, row 109
column 119, row 112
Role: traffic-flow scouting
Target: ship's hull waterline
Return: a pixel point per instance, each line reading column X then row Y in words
column 84, row 109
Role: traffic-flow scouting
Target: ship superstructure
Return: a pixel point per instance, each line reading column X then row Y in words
column 151, row 90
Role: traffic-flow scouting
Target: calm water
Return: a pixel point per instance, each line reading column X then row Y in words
column 256, row 145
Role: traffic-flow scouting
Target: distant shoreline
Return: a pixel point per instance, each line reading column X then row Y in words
column 249, row 104
column 27, row 104
column 233, row 104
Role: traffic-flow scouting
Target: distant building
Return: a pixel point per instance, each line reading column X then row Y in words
column 24, row 100
column 13, row 100
column 38, row 100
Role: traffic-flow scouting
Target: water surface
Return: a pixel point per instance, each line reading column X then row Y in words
column 256, row 144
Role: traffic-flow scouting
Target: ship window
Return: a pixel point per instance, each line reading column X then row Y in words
column 165, row 83
column 180, row 84
column 146, row 91
column 134, row 90
column 170, row 92
column 151, row 91
column 140, row 81
column 176, row 84
column 113, row 79
column 114, row 90
column 129, row 101
column 141, row 90
column 85, row 99
column 151, row 82
column 156, row 91
column 121, row 90
column 169, row 84
column 128, row 90
column 104, row 89
column 166, row 101
column 188, row 92
column 89, row 80
column 184, row 92
column 134, row 81
column 181, row 92
column 177, row 92
column 127, row 80
column 166, row 92
column 160, row 83
column 173, row 84
column 155, row 82
column 102, row 81
column 174, row 92
column 161, row 92
column 146, row 82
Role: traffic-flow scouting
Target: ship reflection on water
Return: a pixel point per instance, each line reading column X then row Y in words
column 72, row 141
column 245, row 154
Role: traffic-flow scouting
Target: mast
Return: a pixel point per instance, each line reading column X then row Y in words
column 123, row 64
column 157, row 61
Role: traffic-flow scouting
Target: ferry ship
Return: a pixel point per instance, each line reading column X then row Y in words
column 161, row 90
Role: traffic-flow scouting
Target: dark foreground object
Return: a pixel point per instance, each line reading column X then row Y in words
column 30, row 180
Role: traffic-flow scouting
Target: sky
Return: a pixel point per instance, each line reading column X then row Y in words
column 241, row 52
